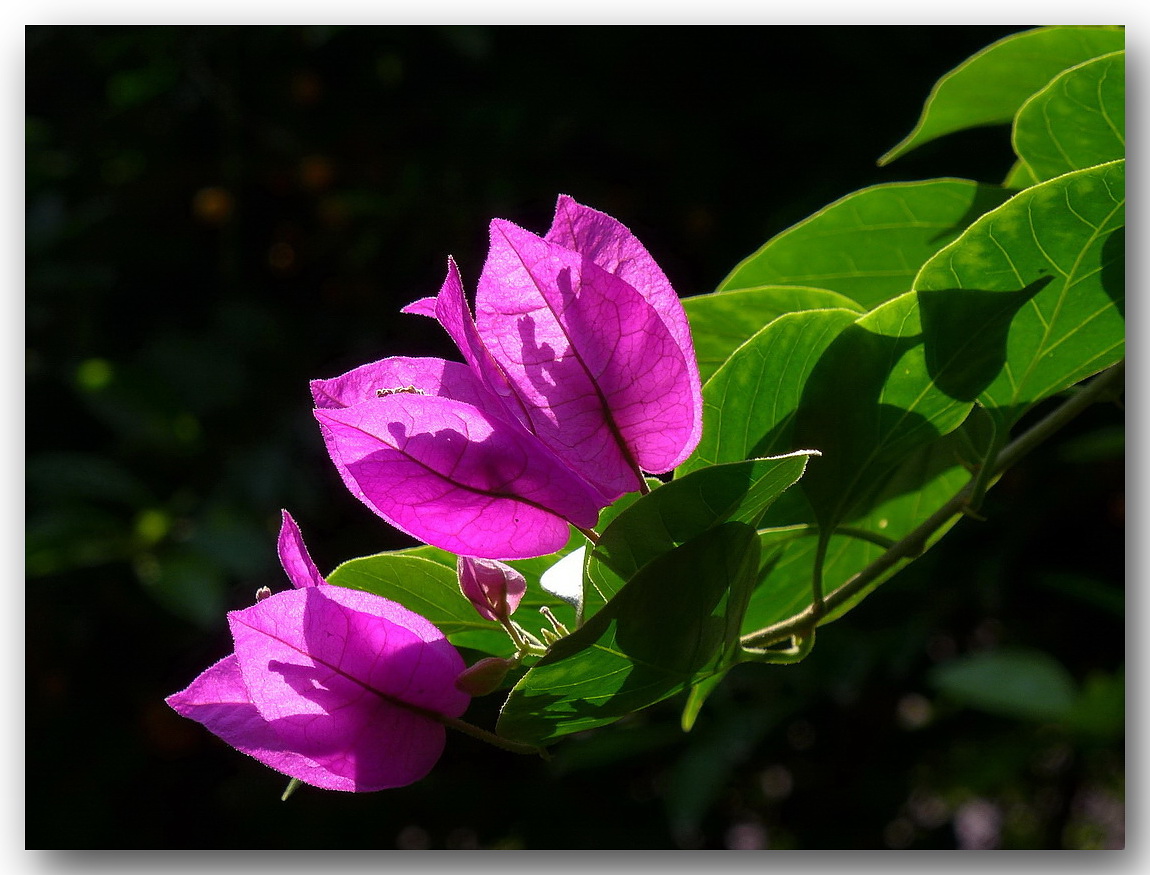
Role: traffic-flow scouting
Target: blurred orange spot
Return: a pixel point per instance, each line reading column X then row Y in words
column 315, row 173
column 213, row 205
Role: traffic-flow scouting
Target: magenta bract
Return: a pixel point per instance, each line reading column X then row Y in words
column 457, row 476
column 338, row 688
column 605, row 383
column 579, row 375
column 296, row 561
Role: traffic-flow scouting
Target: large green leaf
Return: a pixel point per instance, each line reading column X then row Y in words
column 1019, row 176
column 680, row 511
column 1077, row 121
column 868, row 403
column 1037, row 288
column 854, row 388
column 722, row 322
column 749, row 403
column 675, row 623
column 869, row 244
column 989, row 87
column 871, row 395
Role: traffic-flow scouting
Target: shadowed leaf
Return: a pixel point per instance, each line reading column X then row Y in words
column 676, row 622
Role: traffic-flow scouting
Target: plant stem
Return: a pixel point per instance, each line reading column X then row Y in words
column 915, row 541
column 590, row 534
column 817, row 602
column 490, row 737
column 806, row 530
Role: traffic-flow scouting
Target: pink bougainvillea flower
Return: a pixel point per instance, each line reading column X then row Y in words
column 578, row 375
column 595, row 343
column 494, row 588
column 338, row 688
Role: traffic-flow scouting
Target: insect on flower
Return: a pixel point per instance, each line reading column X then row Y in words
column 399, row 390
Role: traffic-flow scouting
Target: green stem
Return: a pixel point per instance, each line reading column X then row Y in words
column 525, row 643
column 915, row 541
column 804, row 530
column 801, row 645
column 817, row 603
column 490, row 737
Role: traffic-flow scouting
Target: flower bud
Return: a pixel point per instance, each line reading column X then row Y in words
column 495, row 589
column 484, row 677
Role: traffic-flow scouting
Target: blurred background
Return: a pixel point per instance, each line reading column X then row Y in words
column 216, row 215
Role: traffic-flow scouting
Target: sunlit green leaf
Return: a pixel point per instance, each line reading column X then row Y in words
column 676, row 622
column 869, row 244
column 749, row 403
column 680, row 511
column 855, row 389
column 722, row 322
column 1020, row 177
column 1046, row 270
column 989, row 87
column 1076, row 121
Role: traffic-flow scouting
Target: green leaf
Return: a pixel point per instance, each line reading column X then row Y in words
column 1023, row 684
column 680, row 511
column 989, row 87
column 869, row 244
column 918, row 486
column 696, row 697
column 857, row 389
column 749, row 403
column 1077, row 121
column 1020, row 177
column 722, row 322
column 429, row 588
column 868, row 402
column 1055, row 255
column 675, row 623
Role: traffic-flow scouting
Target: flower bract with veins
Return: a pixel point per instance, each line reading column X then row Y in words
column 578, row 375
column 338, row 688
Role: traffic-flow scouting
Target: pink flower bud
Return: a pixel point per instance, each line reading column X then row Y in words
column 484, row 677
column 495, row 589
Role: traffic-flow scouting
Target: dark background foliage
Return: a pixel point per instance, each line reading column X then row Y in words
column 215, row 215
